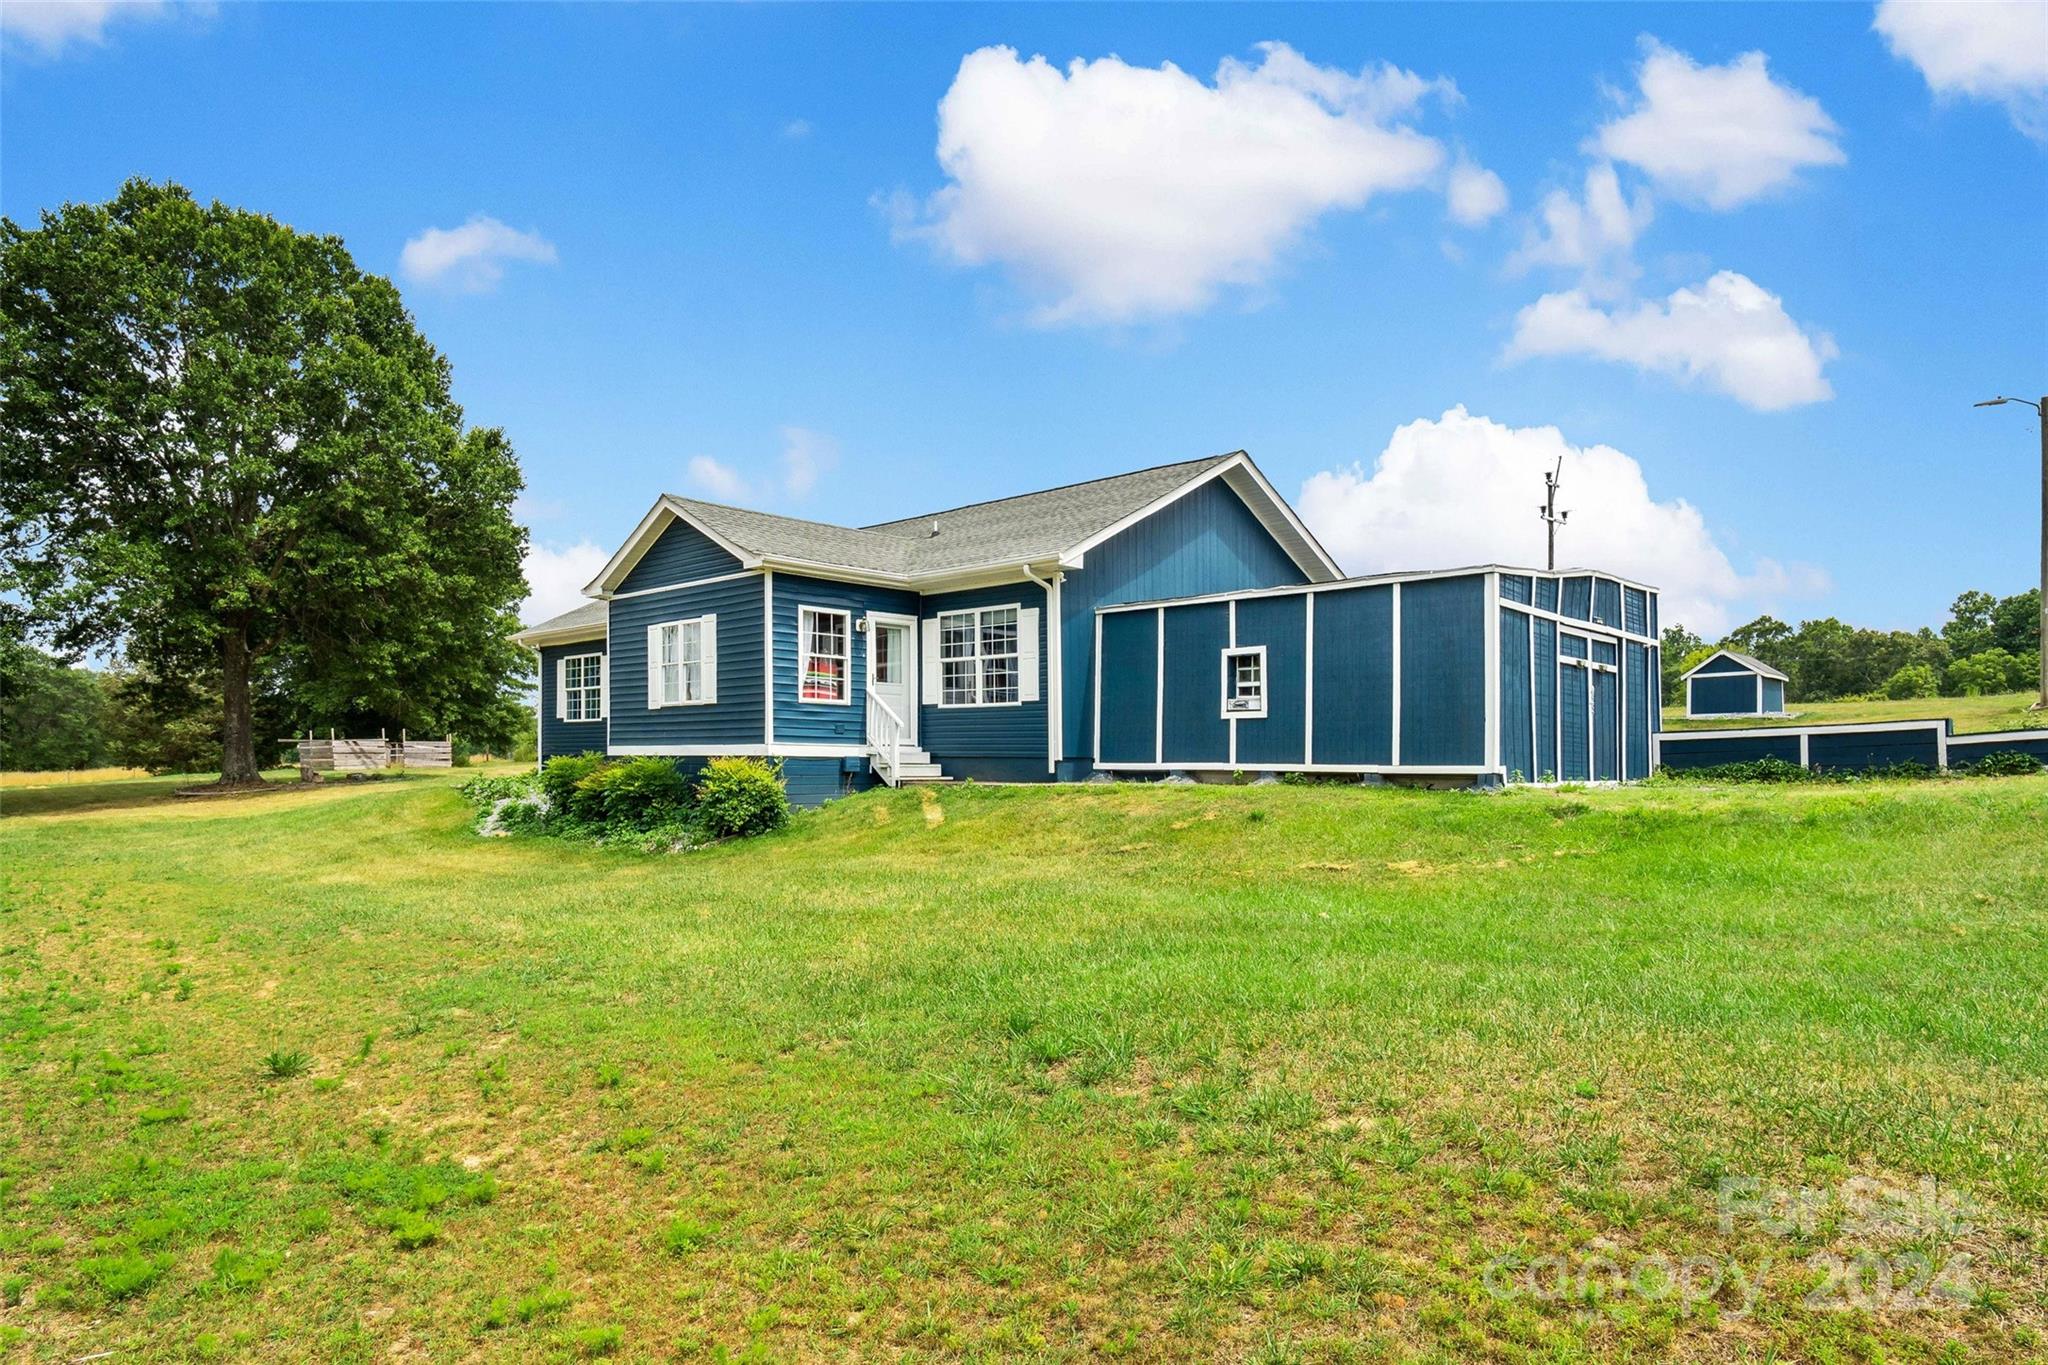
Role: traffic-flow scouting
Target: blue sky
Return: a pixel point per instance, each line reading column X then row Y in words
column 718, row 251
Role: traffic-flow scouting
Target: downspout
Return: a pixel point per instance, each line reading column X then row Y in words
column 1055, row 710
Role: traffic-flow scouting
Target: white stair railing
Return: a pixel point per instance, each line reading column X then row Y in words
column 885, row 739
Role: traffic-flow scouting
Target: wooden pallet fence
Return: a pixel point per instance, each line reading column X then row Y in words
column 336, row 754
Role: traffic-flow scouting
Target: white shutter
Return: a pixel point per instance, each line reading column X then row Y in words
column 653, row 667
column 562, row 688
column 707, row 649
column 604, row 686
column 1027, row 654
column 928, row 661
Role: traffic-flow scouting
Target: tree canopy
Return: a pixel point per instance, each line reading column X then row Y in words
column 226, row 449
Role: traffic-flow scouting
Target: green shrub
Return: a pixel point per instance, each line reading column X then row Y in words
column 486, row 792
column 1981, row 674
column 642, row 793
column 1760, row 770
column 2005, row 763
column 740, row 796
column 1913, row 681
column 559, row 779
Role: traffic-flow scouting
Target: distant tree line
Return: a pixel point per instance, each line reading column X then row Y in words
column 55, row 715
column 1990, row 644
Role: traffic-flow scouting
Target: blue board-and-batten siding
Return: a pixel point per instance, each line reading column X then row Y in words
column 1517, row 700
column 1544, row 676
column 1130, row 710
column 818, row 722
column 1194, row 730
column 736, row 717
column 1005, row 742
column 566, row 736
column 1443, row 671
column 1280, row 624
column 1723, row 694
column 680, row 554
column 1354, row 676
column 1207, row 541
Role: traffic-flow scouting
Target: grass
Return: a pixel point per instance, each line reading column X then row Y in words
column 2000, row 711
column 1288, row 1073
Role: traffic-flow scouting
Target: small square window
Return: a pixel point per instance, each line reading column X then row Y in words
column 1244, row 683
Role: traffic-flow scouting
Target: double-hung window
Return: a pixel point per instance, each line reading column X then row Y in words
column 824, row 637
column 581, row 679
column 682, row 662
column 1244, row 682
column 978, row 657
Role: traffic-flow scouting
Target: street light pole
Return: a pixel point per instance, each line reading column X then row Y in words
column 2041, row 412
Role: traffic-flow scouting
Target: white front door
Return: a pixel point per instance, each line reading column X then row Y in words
column 892, row 668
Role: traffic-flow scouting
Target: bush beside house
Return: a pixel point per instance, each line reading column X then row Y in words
column 647, row 803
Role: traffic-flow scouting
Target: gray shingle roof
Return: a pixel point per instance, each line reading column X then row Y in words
column 595, row 613
column 1027, row 526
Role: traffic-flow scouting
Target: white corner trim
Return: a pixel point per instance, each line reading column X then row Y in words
column 768, row 655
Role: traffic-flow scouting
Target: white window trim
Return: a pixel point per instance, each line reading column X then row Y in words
column 562, row 674
column 1230, row 657
column 978, row 656
column 707, row 648
column 803, row 654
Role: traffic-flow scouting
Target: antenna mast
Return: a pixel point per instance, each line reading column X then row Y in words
column 1548, row 511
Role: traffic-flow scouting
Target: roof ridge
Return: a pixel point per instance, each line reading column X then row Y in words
column 757, row 512
column 1056, row 488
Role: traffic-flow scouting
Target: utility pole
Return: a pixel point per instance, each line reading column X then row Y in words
column 1553, row 518
column 2041, row 412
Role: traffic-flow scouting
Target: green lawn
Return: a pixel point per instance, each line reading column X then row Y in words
column 1283, row 1073
column 2000, row 711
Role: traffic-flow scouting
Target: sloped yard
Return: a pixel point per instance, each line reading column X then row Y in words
column 1287, row 1073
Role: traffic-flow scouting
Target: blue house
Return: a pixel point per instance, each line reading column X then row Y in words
column 958, row 643
column 1728, row 684
column 1179, row 619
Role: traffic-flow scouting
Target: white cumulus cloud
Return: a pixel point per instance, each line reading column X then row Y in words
column 1594, row 233
column 49, row 27
column 1729, row 334
column 807, row 456
column 1983, row 51
column 1461, row 489
column 555, row 575
column 471, row 258
column 1121, row 193
column 1718, row 135
column 1474, row 195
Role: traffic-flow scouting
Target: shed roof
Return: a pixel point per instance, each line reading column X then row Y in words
column 1748, row 661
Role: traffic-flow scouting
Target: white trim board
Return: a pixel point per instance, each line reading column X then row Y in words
column 739, row 750
column 1407, row 770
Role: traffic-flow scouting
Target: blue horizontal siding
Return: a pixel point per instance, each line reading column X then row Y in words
column 956, row 733
column 1281, row 625
column 1443, row 671
column 1355, row 676
column 566, row 736
column 678, row 555
column 809, row 722
column 1206, row 542
column 736, row 717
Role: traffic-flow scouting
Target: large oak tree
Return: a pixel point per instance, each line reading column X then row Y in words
column 228, row 451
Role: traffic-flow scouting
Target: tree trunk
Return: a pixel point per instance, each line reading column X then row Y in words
column 237, row 730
